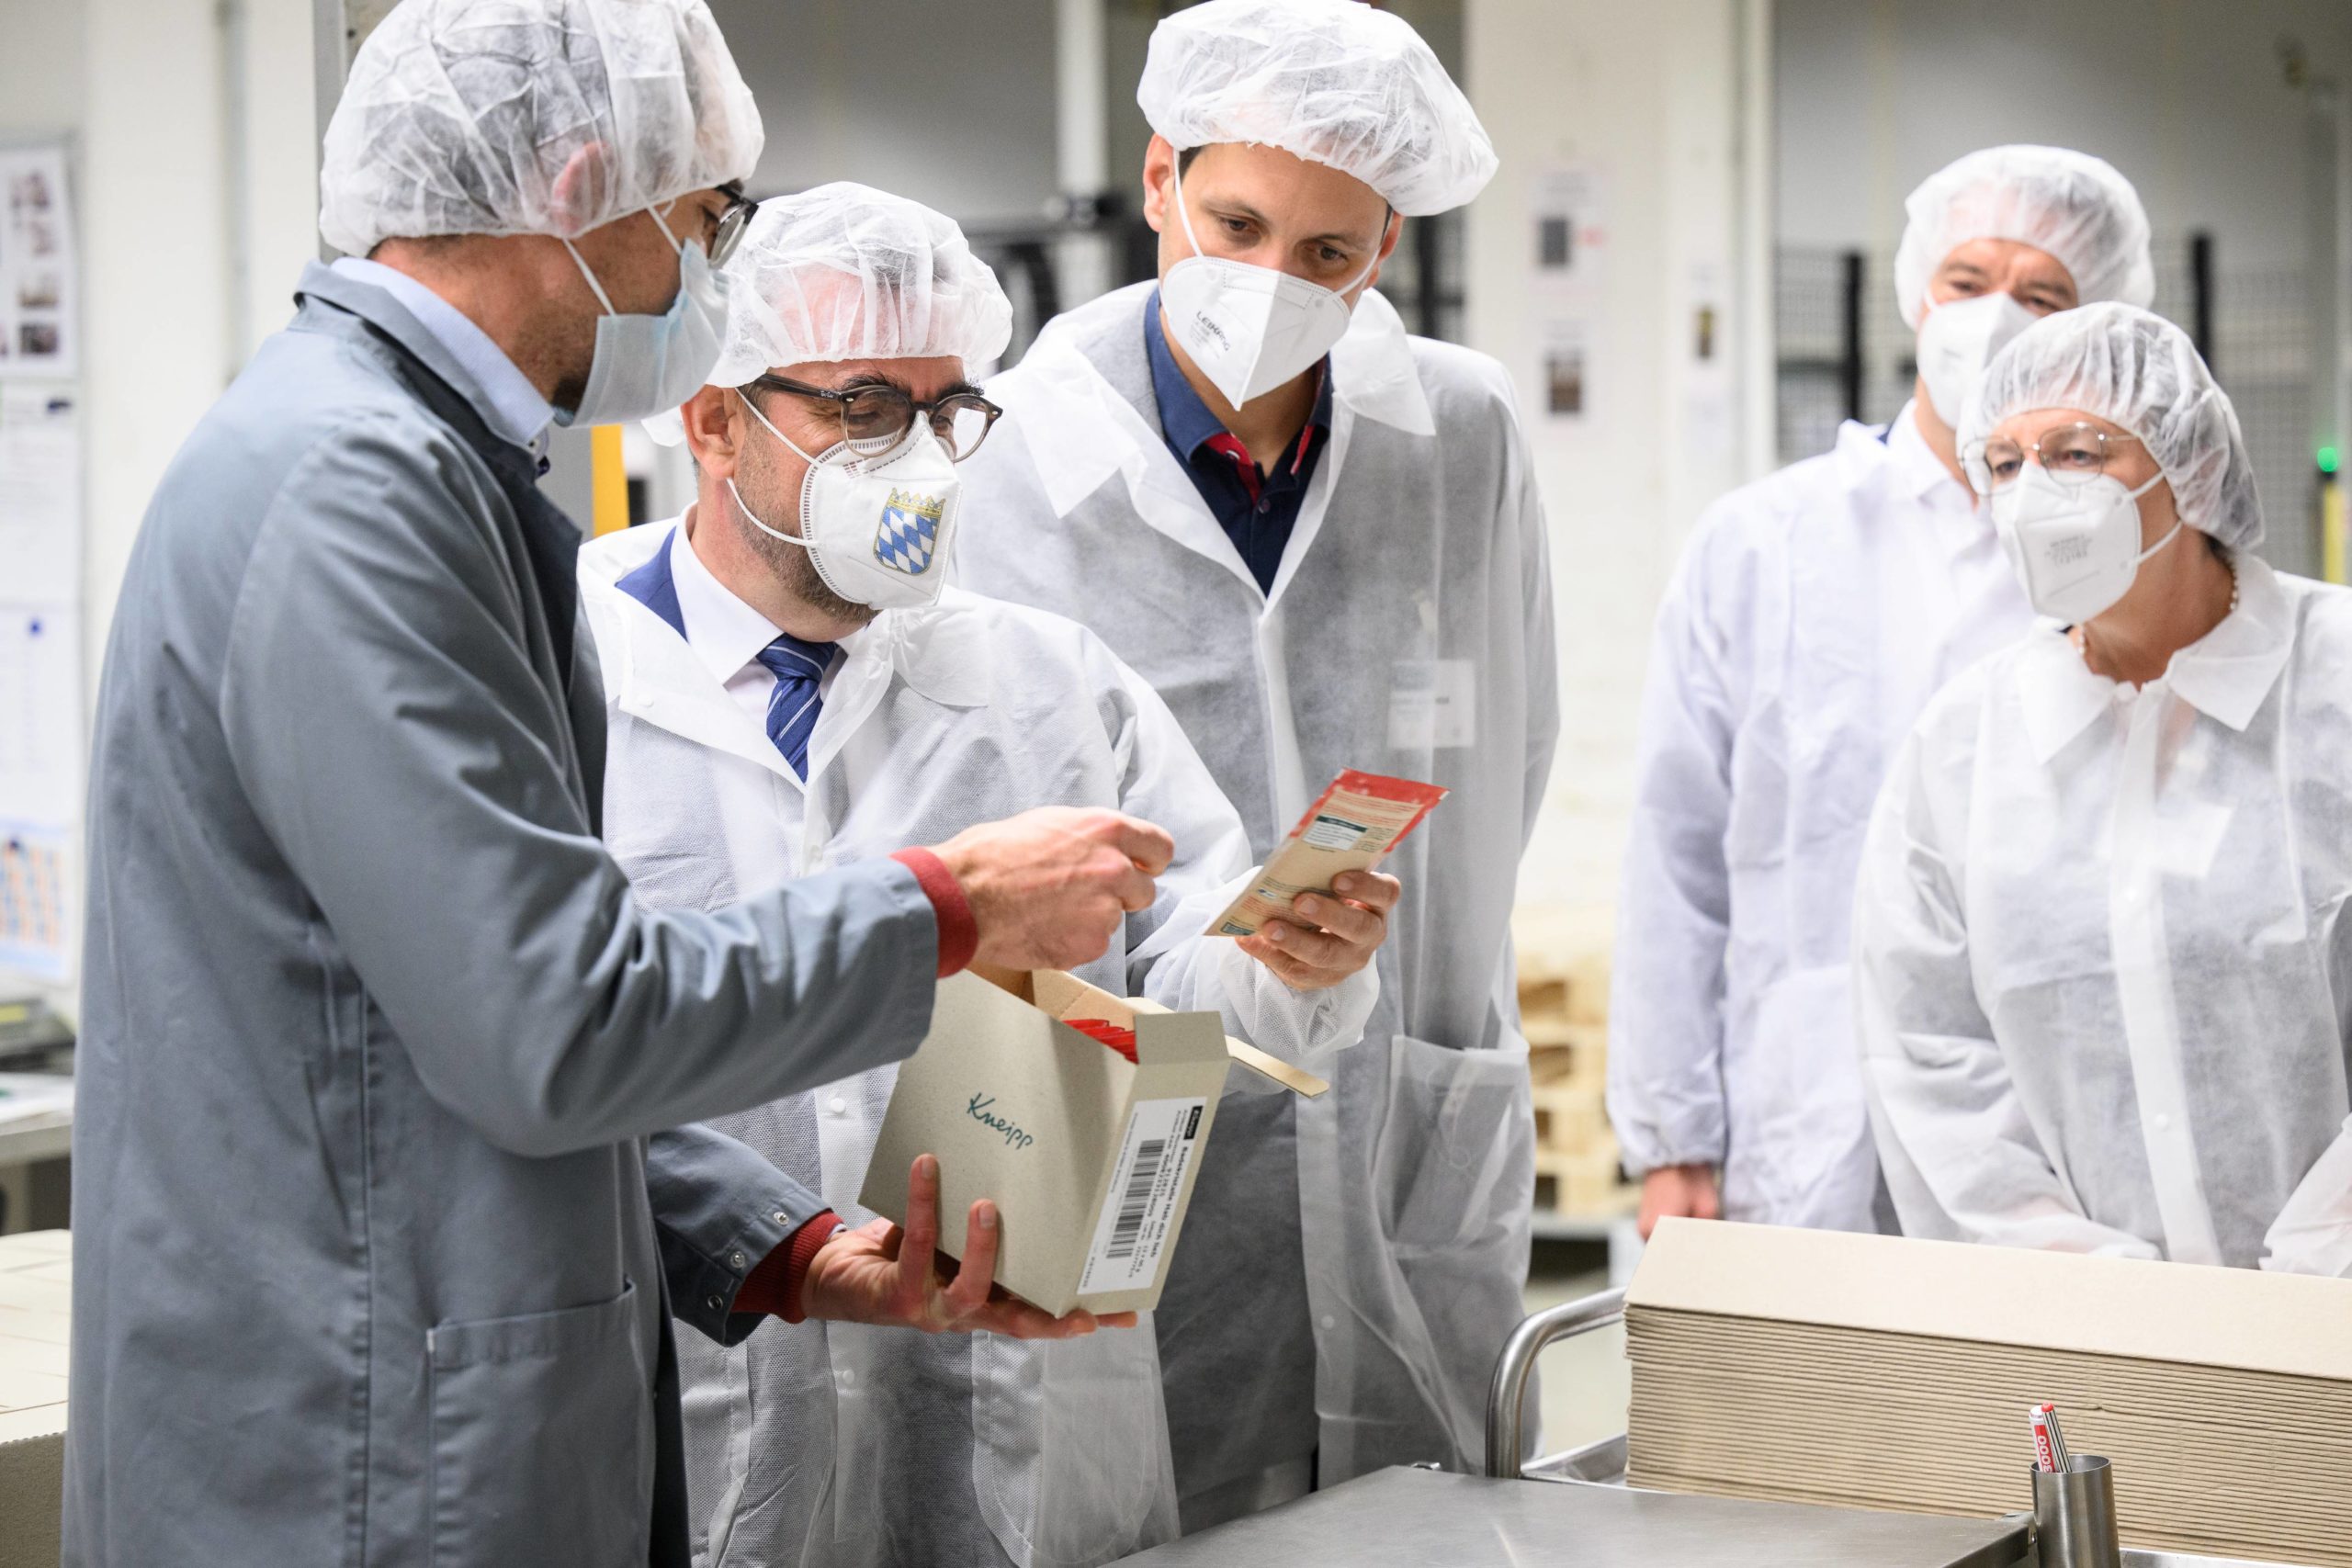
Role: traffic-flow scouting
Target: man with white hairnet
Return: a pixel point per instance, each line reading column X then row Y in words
column 1814, row 614
column 1320, row 539
column 372, row 1263
column 2100, row 951
column 790, row 688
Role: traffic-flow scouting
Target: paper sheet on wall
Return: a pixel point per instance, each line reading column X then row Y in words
column 35, row 911
column 40, row 496
column 38, row 331
column 40, row 716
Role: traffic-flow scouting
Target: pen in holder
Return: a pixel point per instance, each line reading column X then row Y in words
column 2073, row 1514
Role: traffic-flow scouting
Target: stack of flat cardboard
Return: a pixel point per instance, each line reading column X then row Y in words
column 1883, row 1372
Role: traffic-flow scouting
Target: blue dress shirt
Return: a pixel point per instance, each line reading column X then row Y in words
column 1255, row 511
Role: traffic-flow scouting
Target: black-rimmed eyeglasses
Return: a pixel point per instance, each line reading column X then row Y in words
column 876, row 416
column 733, row 219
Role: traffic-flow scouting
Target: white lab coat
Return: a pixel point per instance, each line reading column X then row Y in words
column 1814, row 614
column 1409, row 632
column 2102, row 965
column 833, row 1444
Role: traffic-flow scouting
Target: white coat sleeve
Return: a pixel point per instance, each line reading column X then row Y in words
column 2312, row 1234
column 1169, row 961
column 1962, row 1161
column 1666, row 1024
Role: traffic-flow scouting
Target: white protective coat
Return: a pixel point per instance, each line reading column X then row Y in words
column 2102, row 971
column 841, row 1445
column 1814, row 614
column 1409, row 632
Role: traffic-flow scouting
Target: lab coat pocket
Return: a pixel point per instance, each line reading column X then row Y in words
column 1457, row 1148
column 1069, row 1454
column 542, row 1438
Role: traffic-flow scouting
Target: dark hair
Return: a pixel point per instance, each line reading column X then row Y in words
column 1184, row 167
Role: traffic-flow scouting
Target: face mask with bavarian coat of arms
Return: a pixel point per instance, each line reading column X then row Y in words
column 877, row 530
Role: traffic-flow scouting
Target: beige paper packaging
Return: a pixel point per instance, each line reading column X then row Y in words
column 1353, row 825
column 1090, row 1160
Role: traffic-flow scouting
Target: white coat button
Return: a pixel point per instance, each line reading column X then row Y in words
column 838, row 1106
column 1327, row 1321
column 2163, row 1121
column 848, row 1377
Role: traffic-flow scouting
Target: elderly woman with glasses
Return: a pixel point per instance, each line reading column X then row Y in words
column 2102, row 975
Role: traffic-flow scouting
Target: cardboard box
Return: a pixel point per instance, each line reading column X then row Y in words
column 1090, row 1158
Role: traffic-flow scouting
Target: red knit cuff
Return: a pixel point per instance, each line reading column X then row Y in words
column 959, row 934
column 773, row 1288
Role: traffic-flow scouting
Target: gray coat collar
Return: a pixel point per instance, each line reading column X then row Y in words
column 389, row 316
column 1115, row 347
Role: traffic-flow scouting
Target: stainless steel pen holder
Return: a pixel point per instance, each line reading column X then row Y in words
column 2073, row 1514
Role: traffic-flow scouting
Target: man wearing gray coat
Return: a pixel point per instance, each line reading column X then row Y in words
column 385, row 1177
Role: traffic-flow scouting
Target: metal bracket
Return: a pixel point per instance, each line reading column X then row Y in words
column 1509, row 1390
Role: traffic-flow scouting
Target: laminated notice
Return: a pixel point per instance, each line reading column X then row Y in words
column 1357, row 820
column 1131, row 1233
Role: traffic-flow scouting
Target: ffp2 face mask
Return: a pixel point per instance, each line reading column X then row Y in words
column 1957, row 341
column 2076, row 548
column 878, row 531
column 1249, row 328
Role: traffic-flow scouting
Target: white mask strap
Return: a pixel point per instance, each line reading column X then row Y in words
column 771, row 429
column 598, row 288
column 656, row 216
column 2167, row 539
column 754, row 519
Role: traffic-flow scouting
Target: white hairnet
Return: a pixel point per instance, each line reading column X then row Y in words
column 2139, row 371
column 2070, row 204
column 845, row 271
column 530, row 116
column 1331, row 81
column 848, row 272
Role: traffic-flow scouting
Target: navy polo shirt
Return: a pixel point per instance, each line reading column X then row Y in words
column 1255, row 509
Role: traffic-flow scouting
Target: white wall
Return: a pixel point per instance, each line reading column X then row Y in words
column 2186, row 97
column 1647, row 100
column 949, row 104
column 40, row 68
column 194, row 229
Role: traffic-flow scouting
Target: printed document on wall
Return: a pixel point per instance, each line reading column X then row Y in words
column 40, row 716
column 40, row 496
column 36, row 268
column 36, row 912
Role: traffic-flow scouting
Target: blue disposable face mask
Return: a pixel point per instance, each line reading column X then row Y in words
column 650, row 364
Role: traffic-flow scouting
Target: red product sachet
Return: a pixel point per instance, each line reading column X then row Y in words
column 1122, row 1041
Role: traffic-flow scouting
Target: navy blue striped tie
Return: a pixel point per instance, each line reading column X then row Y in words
column 797, row 667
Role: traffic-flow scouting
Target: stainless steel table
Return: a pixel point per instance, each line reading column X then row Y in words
column 1431, row 1520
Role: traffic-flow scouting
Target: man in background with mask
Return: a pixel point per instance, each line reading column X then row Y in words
column 1814, row 614
column 790, row 690
column 1318, row 539
column 370, row 1264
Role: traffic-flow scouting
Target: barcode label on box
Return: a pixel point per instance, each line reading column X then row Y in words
column 1132, row 1232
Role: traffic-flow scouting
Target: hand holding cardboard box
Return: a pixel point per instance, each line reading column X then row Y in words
column 1088, row 1158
